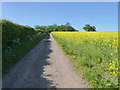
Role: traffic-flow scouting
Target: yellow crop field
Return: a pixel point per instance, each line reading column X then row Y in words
column 95, row 54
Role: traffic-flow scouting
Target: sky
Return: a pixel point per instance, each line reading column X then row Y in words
column 103, row 15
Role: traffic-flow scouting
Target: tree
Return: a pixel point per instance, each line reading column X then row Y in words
column 61, row 28
column 55, row 27
column 41, row 28
column 67, row 26
column 50, row 28
column 89, row 28
column 37, row 26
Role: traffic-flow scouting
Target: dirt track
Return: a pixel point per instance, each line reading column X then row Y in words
column 45, row 66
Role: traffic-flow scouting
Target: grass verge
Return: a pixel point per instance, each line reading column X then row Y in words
column 89, row 61
column 12, row 57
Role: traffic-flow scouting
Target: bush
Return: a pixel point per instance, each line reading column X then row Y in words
column 15, row 34
column 17, row 40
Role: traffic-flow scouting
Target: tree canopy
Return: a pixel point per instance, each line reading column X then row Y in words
column 89, row 28
column 55, row 27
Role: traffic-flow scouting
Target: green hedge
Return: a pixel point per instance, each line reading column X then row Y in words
column 15, row 34
column 17, row 40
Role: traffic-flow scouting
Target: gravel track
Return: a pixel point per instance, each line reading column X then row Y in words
column 45, row 66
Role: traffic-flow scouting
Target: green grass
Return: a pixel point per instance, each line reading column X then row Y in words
column 85, row 58
column 18, row 51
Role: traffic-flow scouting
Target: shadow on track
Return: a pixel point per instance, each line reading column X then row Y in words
column 29, row 72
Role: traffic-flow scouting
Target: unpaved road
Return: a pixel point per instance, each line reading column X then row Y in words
column 45, row 66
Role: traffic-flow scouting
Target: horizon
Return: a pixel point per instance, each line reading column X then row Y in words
column 43, row 13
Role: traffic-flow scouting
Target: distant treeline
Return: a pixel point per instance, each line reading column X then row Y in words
column 13, row 33
column 55, row 27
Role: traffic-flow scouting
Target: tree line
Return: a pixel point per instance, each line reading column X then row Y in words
column 66, row 27
column 55, row 27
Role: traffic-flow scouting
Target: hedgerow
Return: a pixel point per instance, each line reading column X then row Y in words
column 15, row 34
column 17, row 40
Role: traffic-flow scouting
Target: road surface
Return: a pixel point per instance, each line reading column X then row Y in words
column 45, row 66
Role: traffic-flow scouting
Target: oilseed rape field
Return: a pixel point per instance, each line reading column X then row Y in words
column 94, row 54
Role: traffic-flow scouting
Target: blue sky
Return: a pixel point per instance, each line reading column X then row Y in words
column 103, row 15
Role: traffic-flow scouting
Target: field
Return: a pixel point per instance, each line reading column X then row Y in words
column 95, row 55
